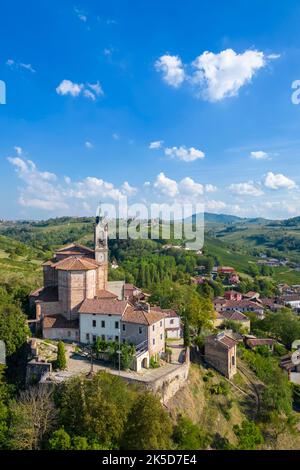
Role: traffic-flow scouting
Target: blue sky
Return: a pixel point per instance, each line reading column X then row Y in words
column 160, row 101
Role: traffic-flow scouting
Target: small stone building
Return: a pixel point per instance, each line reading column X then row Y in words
column 220, row 352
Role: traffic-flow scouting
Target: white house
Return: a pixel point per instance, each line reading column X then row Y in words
column 172, row 323
column 101, row 318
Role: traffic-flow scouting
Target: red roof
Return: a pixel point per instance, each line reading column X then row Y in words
column 45, row 294
column 59, row 321
column 105, row 306
column 141, row 317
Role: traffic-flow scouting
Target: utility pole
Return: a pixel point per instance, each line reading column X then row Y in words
column 119, row 352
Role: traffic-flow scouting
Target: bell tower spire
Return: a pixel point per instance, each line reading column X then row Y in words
column 101, row 249
column 101, row 237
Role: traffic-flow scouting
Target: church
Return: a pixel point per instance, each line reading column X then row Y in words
column 77, row 302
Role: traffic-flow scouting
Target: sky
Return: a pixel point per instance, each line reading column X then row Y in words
column 154, row 101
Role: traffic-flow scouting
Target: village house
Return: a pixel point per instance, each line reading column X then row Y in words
column 252, row 342
column 236, row 316
column 220, row 352
column 233, row 295
column 243, row 306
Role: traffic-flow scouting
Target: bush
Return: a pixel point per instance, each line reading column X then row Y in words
column 189, row 436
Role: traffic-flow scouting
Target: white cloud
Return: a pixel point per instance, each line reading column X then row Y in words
column 260, row 155
column 279, row 181
column 67, row 87
column 88, row 145
column 96, row 88
column 43, row 190
column 80, row 15
column 212, row 205
column 215, row 75
column 189, row 186
column 172, row 69
column 222, row 75
column 147, row 184
column 157, row 144
column 210, row 188
column 17, row 65
column 165, row 185
column 128, row 190
column 18, row 150
column 90, row 90
column 248, row 189
column 185, row 154
column 115, row 136
column 273, row 56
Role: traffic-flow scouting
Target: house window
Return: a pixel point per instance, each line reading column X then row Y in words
column 124, row 327
column 160, row 323
column 116, row 325
column 172, row 322
column 116, row 338
column 233, row 360
column 87, row 337
column 102, row 324
column 153, row 341
column 140, row 330
column 103, row 337
column 160, row 336
column 153, row 327
column 94, row 323
column 94, row 338
column 69, row 334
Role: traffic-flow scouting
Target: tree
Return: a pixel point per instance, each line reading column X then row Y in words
column 96, row 408
column 13, row 328
column 149, row 426
column 33, row 417
column 189, row 436
column 4, row 394
column 60, row 440
column 61, row 361
column 249, row 435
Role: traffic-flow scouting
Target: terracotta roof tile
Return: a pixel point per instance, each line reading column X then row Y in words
column 59, row 321
column 141, row 317
column 76, row 263
column 105, row 294
column 46, row 294
column 106, row 306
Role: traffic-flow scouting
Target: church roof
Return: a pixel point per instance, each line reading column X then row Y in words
column 75, row 248
column 105, row 294
column 46, row 294
column 76, row 263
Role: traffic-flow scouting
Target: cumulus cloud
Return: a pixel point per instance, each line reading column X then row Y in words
column 185, row 154
column 67, row 87
column 222, row 75
column 166, row 185
column 128, row 190
column 215, row 76
column 248, row 189
column 278, row 181
column 89, row 90
column 157, row 144
column 189, row 186
column 43, row 190
column 212, row 205
column 210, row 188
column 80, row 15
column 88, row 145
column 260, row 155
column 172, row 69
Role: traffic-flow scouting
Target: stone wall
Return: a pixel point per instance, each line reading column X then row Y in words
column 166, row 386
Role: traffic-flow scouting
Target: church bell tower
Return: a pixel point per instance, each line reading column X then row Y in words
column 101, row 239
